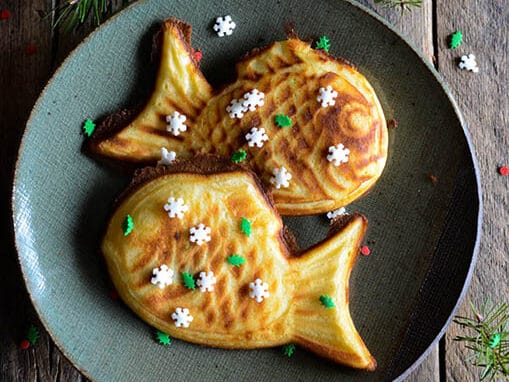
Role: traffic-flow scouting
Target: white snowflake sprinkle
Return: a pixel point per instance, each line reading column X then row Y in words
column 176, row 207
column 162, row 276
column 469, row 62
column 236, row 108
column 281, row 177
column 182, row 317
column 224, row 26
column 176, row 123
column 253, row 99
column 259, row 290
column 167, row 157
column 338, row 154
column 327, row 96
column 334, row 214
column 206, row 281
column 199, row 234
column 256, row 137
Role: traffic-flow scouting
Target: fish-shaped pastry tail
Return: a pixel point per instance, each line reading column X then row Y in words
column 135, row 136
column 199, row 251
column 321, row 272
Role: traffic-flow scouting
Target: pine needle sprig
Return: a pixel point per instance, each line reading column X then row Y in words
column 404, row 5
column 488, row 339
column 73, row 13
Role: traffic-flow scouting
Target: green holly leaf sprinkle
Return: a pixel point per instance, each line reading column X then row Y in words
column 327, row 301
column 282, row 120
column 163, row 338
column 127, row 225
column 323, row 43
column 245, row 227
column 236, row 260
column 188, row 280
column 32, row 334
column 288, row 350
column 239, row 156
column 88, row 127
column 456, row 40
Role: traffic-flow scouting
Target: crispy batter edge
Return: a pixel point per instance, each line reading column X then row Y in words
column 207, row 165
column 119, row 120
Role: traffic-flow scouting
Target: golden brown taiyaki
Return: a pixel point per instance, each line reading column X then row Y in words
column 309, row 125
column 198, row 251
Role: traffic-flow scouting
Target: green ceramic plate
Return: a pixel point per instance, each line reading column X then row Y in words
column 423, row 236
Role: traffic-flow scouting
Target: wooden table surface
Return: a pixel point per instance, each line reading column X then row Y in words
column 30, row 52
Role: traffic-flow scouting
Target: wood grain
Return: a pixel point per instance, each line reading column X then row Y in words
column 416, row 25
column 483, row 99
column 23, row 75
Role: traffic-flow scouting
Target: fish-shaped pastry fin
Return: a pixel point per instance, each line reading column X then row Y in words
column 180, row 87
column 324, row 270
column 191, row 218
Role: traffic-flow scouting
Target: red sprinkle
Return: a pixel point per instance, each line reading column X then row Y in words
column 114, row 295
column 4, row 14
column 24, row 345
column 433, row 179
column 503, row 170
column 365, row 250
column 31, row 49
column 392, row 123
column 198, row 55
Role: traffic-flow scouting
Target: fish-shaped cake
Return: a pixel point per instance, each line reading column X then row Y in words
column 308, row 124
column 198, row 251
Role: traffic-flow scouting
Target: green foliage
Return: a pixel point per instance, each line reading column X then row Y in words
column 245, row 227
column 288, row 350
column 163, row 338
column 127, row 225
column 88, row 127
column 236, row 260
column 73, row 13
column 32, row 334
column 327, row 301
column 283, row 120
column 495, row 340
column 456, row 40
column 188, row 280
column 405, row 5
column 239, row 156
column 70, row 14
column 323, row 43
column 488, row 340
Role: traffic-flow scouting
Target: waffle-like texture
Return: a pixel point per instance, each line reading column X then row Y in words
column 290, row 74
column 219, row 196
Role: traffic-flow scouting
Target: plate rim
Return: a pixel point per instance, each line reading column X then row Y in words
column 368, row 12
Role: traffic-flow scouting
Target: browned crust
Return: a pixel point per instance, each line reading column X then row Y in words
column 292, row 35
column 290, row 31
column 340, row 60
column 290, row 241
column 110, row 125
column 206, row 164
column 342, row 221
column 185, row 32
